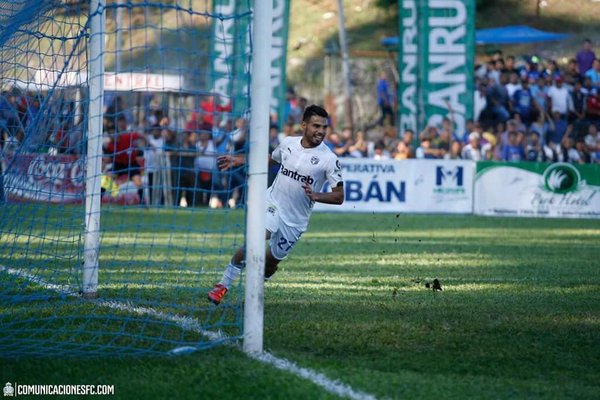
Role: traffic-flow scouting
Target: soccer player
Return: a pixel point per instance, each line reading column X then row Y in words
column 306, row 165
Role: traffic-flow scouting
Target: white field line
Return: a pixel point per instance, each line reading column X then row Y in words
column 192, row 324
column 332, row 386
column 186, row 323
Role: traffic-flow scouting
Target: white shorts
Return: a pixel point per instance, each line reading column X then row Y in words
column 283, row 237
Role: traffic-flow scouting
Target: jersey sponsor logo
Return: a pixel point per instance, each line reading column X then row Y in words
column 296, row 176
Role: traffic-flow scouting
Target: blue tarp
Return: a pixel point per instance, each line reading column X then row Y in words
column 505, row 35
column 515, row 35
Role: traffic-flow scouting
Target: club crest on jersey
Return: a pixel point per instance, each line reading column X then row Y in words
column 296, row 176
column 314, row 160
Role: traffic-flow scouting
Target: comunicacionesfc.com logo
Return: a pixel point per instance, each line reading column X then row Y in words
column 14, row 390
column 561, row 178
column 9, row 390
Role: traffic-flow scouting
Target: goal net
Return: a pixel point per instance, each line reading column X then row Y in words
column 162, row 92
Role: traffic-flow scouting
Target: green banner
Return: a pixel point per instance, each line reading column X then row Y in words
column 233, row 33
column 589, row 173
column 242, row 57
column 447, row 41
column 408, row 52
column 222, row 50
column 281, row 24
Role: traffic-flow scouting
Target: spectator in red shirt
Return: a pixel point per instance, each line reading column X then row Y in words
column 209, row 108
column 124, row 150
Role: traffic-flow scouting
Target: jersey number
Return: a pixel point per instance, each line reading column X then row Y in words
column 285, row 244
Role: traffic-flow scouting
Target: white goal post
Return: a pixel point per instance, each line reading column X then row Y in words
column 260, row 94
column 94, row 149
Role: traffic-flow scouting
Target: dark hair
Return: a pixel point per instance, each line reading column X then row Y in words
column 314, row 110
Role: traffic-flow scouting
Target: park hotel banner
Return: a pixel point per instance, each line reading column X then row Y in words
column 537, row 190
column 421, row 186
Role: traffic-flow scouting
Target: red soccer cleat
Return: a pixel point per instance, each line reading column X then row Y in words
column 217, row 293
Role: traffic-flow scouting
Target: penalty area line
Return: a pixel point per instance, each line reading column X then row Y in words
column 192, row 324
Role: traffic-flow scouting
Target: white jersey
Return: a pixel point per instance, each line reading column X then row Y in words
column 317, row 166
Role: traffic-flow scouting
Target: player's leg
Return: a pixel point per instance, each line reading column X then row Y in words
column 230, row 275
column 271, row 264
column 281, row 244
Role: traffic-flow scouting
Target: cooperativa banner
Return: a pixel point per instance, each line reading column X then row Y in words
column 420, row 186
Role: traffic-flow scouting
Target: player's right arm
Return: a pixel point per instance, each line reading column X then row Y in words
column 229, row 161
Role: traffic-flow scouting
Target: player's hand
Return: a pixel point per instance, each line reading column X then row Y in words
column 308, row 190
column 224, row 162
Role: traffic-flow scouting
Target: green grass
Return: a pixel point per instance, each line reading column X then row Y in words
column 519, row 316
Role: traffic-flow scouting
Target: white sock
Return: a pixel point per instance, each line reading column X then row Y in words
column 230, row 275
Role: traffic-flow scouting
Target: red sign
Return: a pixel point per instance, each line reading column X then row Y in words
column 44, row 177
column 54, row 179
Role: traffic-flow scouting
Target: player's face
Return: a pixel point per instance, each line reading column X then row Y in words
column 314, row 131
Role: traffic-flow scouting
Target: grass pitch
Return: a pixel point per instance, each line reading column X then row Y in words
column 518, row 317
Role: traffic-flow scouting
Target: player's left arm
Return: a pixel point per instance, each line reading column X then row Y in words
column 336, row 196
column 334, row 177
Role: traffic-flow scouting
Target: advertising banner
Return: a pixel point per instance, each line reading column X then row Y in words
column 231, row 51
column 446, row 56
column 222, row 50
column 443, row 186
column 281, row 24
column 537, row 190
column 59, row 178
column 408, row 52
column 43, row 177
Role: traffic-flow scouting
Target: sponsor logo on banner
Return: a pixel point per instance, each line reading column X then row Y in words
column 563, row 188
column 43, row 177
column 449, row 180
column 561, row 178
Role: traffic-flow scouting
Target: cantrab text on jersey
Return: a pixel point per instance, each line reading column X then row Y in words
column 296, row 176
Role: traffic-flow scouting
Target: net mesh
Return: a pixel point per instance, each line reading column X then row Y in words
column 175, row 97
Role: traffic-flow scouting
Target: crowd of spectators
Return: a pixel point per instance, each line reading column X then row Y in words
column 525, row 110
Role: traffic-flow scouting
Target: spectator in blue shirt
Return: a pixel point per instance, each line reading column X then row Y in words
column 512, row 151
column 540, row 93
column 559, row 126
column 594, row 73
column 385, row 100
column 524, row 103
